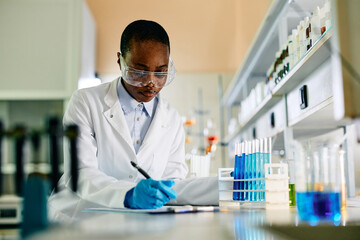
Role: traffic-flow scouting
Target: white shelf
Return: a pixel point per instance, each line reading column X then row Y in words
column 268, row 102
column 265, row 36
column 314, row 57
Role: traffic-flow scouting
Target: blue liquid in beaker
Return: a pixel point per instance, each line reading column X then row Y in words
column 315, row 206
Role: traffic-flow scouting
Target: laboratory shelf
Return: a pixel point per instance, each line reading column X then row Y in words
column 320, row 117
column 313, row 58
column 268, row 102
column 261, row 52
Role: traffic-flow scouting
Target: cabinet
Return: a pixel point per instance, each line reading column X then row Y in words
column 45, row 48
column 319, row 93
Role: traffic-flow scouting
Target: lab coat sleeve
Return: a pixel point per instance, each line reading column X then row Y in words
column 93, row 185
column 176, row 167
column 196, row 191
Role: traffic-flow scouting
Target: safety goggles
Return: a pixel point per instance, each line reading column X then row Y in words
column 142, row 78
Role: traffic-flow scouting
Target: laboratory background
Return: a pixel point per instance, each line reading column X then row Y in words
column 268, row 90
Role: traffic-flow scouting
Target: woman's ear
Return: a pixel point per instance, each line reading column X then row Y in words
column 118, row 60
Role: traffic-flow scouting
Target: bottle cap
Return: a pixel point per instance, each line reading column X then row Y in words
column 316, row 11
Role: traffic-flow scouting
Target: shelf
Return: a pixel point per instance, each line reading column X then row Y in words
column 320, row 116
column 268, row 102
column 256, row 58
column 314, row 57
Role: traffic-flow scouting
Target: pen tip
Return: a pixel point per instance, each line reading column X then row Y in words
column 133, row 164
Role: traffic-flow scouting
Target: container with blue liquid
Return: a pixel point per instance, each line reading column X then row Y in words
column 318, row 182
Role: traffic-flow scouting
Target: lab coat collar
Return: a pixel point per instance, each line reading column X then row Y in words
column 116, row 118
column 128, row 103
column 115, row 115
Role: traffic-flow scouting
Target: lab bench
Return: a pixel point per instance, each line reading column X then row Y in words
column 237, row 223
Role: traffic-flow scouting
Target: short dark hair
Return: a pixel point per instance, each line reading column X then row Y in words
column 143, row 30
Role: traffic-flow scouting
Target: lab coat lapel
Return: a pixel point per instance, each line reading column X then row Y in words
column 115, row 115
column 158, row 126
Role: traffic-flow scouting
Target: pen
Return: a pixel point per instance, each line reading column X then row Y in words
column 142, row 171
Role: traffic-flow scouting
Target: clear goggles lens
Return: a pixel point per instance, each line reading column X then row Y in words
column 142, row 78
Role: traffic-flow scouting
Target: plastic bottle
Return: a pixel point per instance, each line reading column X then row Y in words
column 297, row 44
column 302, row 39
column 308, row 41
column 292, row 50
column 315, row 25
column 327, row 12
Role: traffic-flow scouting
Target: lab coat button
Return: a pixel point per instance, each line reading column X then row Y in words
column 130, row 176
column 111, row 116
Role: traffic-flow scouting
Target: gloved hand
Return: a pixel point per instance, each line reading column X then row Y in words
column 150, row 194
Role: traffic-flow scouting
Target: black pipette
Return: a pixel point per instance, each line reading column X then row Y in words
column 72, row 133
column 54, row 133
column 2, row 133
column 19, row 135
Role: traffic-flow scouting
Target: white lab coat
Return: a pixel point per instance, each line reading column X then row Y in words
column 105, row 150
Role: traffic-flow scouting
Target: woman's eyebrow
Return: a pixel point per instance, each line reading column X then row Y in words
column 147, row 67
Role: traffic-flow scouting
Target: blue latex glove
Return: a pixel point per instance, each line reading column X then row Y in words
column 150, row 194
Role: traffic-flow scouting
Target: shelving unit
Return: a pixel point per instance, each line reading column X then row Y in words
column 319, row 69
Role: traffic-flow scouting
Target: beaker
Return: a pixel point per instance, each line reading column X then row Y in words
column 318, row 181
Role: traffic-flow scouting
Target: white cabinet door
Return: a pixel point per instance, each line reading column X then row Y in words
column 40, row 48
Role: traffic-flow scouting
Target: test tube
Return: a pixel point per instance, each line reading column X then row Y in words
column 253, row 169
column 269, row 150
column 258, row 167
column 242, row 171
column 236, row 172
column 246, row 168
column 249, row 170
column 262, row 170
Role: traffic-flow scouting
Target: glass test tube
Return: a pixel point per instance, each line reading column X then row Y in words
column 242, row 170
column 236, row 172
column 246, row 175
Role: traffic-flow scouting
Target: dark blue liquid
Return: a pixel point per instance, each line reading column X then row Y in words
column 250, row 176
column 315, row 206
column 236, row 195
column 242, row 176
column 246, row 176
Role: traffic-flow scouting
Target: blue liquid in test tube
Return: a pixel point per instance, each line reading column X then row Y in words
column 254, row 194
column 246, row 173
column 262, row 170
column 242, row 171
column 251, row 170
column 236, row 172
column 257, row 169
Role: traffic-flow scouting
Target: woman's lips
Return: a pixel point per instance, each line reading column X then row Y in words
column 149, row 93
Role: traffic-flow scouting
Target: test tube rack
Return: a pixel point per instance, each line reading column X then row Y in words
column 276, row 188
